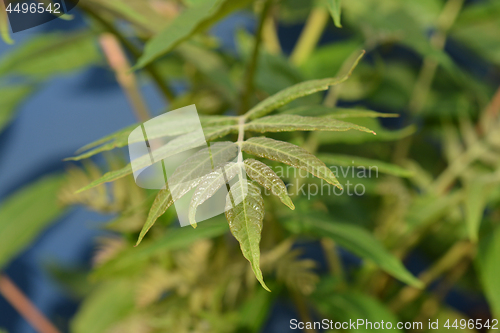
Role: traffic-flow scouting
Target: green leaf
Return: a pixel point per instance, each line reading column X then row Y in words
column 299, row 90
column 116, row 140
column 209, row 185
column 212, row 66
column 347, row 306
column 134, row 12
column 106, row 305
column 26, row 213
column 175, row 238
column 475, row 199
column 10, row 98
column 255, row 311
column 245, row 222
column 358, row 137
column 335, row 9
column 162, row 202
column 337, row 113
column 489, row 270
column 266, row 177
column 358, row 241
column 289, row 122
column 290, row 154
column 476, row 27
column 326, row 60
column 191, row 21
column 4, row 25
column 109, row 177
column 50, row 54
column 355, row 161
column 175, row 146
column 213, row 127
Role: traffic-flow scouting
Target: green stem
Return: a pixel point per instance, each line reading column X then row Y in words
column 428, row 71
column 310, row 36
column 452, row 258
column 252, row 66
column 134, row 51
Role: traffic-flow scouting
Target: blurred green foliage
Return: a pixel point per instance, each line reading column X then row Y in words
column 435, row 193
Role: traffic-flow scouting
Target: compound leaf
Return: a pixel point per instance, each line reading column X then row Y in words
column 245, row 222
column 290, row 154
column 266, row 177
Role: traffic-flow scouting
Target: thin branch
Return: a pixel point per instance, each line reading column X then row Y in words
column 302, row 309
column 310, row 36
column 428, row 71
column 453, row 257
column 25, row 307
column 438, row 40
column 270, row 36
column 252, row 67
column 134, row 51
column 490, row 113
column 125, row 77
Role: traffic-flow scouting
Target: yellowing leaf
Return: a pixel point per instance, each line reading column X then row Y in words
column 266, row 177
column 299, row 90
column 245, row 222
column 289, row 122
column 290, row 154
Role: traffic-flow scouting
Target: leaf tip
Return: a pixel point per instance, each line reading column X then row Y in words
column 263, row 284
